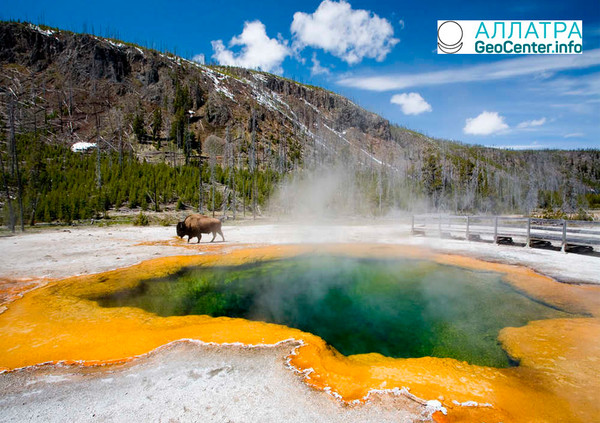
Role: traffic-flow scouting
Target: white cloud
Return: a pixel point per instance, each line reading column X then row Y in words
column 574, row 135
column 485, row 124
column 504, row 69
column 411, row 103
column 531, row 123
column 199, row 58
column 344, row 32
column 533, row 146
column 316, row 68
column 580, row 85
column 258, row 51
column 401, row 23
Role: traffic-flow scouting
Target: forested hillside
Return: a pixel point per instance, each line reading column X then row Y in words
column 91, row 124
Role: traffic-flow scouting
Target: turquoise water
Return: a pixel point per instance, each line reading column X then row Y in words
column 399, row 308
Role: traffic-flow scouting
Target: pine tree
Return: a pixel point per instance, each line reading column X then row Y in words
column 157, row 126
column 138, row 125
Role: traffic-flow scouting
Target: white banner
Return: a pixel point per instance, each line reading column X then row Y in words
column 509, row 37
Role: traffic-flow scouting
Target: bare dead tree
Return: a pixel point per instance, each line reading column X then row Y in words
column 155, row 190
column 98, row 162
column 11, row 212
column 253, row 163
column 226, row 162
column 15, row 160
column 120, row 123
column 212, row 162
column 200, row 187
column 237, row 158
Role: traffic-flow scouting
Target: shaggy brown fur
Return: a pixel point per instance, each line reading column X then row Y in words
column 196, row 224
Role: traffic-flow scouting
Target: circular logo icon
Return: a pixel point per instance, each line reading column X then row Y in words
column 450, row 36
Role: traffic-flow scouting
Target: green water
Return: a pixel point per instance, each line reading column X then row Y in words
column 399, row 308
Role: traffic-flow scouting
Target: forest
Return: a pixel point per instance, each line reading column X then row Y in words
column 51, row 183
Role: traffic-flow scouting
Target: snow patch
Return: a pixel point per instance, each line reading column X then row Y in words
column 82, row 146
column 193, row 63
column 46, row 32
column 265, row 100
column 339, row 134
column 116, row 44
column 365, row 152
column 216, row 79
column 260, row 77
column 312, row 106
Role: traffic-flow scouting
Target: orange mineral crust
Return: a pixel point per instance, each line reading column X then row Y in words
column 556, row 380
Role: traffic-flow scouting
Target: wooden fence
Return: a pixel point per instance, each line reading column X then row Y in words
column 569, row 235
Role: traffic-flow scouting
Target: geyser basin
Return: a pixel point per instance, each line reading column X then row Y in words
column 396, row 307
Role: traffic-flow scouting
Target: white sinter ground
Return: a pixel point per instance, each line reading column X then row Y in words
column 189, row 382
column 84, row 250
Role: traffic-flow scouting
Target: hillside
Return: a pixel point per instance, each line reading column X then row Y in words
column 157, row 119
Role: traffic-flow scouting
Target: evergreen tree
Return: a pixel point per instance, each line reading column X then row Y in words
column 157, row 126
column 138, row 125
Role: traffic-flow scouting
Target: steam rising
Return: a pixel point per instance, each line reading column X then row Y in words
column 342, row 192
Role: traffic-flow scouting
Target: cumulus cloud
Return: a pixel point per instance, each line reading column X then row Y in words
column 485, row 124
column 199, row 58
column 316, row 68
column 257, row 51
column 344, row 32
column 411, row 103
column 531, row 123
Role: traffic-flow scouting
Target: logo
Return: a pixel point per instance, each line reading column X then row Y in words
column 450, row 35
column 509, row 37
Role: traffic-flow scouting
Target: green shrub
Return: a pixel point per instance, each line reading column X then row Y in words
column 583, row 215
column 167, row 221
column 141, row 220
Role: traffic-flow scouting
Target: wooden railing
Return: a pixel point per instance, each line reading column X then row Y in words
column 570, row 235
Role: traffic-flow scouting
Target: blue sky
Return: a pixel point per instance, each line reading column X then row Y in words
column 386, row 53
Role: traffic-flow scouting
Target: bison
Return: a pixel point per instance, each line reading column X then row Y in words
column 196, row 224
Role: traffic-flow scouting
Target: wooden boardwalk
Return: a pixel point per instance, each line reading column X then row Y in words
column 568, row 235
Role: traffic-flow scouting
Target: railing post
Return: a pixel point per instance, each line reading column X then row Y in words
column 495, row 229
column 528, row 232
column 564, row 237
column 468, row 224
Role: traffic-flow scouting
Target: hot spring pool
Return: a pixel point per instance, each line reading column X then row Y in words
column 396, row 307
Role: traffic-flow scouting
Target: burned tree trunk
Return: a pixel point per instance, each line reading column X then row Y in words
column 253, row 163
column 15, row 162
column 11, row 212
